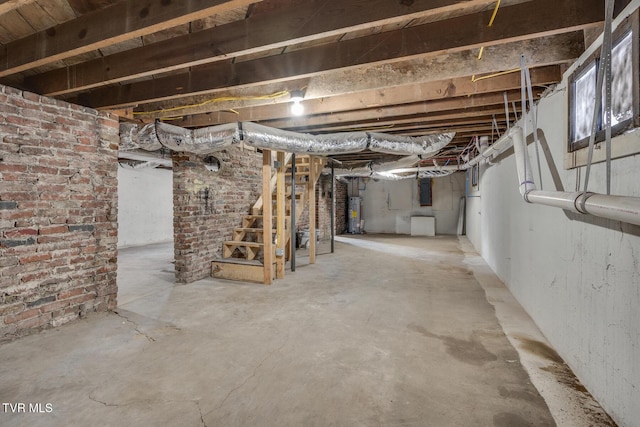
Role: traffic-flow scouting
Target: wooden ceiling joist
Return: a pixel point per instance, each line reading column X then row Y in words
column 7, row 6
column 453, row 90
column 521, row 21
column 119, row 22
column 296, row 23
column 557, row 49
column 384, row 115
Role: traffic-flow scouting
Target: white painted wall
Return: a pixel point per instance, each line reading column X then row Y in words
column 579, row 280
column 387, row 206
column 145, row 206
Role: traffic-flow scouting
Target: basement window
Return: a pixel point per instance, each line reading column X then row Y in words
column 624, row 92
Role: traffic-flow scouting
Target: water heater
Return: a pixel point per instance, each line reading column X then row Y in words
column 354, row 215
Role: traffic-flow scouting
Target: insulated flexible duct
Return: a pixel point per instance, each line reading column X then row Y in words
column 215, row 138
column 303, row 143
column 199, row 141
column 425, row 146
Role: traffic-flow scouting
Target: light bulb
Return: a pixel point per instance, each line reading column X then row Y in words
column 297, row 109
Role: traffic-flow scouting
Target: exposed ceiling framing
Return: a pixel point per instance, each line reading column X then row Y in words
column 406, row 67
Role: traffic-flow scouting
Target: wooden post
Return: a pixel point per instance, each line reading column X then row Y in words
column 267, row 216
column 280, row 212
column 311, row 189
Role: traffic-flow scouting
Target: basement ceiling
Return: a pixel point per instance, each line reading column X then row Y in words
column 407, row 67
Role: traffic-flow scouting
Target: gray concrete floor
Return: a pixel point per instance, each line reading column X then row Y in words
column 387, row 331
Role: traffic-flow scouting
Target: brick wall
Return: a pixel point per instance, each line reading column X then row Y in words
column 323, row 208
column 209, row 205
column 342, row 203
column 58, row 212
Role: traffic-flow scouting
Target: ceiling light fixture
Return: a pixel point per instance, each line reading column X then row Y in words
column 297, row 109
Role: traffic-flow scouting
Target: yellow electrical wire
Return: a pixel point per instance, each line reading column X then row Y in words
column 493, row 17
column 495, row 12
column 274, row 95
column 502, row 73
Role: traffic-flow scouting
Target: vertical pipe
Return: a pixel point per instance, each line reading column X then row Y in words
column 333, row 207
column 293, row 212
column 280, row 215
column 506, row 110
column 311, row 189
column 523, row 166
column 267, row 225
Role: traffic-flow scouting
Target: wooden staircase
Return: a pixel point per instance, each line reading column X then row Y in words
column 252, row 257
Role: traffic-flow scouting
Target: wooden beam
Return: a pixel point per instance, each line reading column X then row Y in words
column 299, row 22
column 558, row 49
column 387, row 116
column 457, row 93
column 455, row 34
column 119, row 22
column 311, row 189
column 280, row 209
column 267, row 222
column 7, row 6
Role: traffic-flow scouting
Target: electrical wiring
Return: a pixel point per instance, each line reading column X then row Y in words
column 493, row 18
column 274, row 95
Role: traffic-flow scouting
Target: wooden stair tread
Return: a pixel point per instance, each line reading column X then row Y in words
column 239, row 261
column 253, row 230
column 243, row 243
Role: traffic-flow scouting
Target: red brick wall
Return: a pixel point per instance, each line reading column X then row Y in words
column 208, row 205
column 342, row 202
column 323, row 208
column 58, row 212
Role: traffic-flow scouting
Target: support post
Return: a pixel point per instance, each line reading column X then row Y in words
column 293, row 213
column 311, row 188
column 280, row 214
column 267, row 223
column 333, row 207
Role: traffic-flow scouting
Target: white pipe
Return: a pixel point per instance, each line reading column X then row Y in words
column 496, row 148
column 618, row 208
column 523, row 165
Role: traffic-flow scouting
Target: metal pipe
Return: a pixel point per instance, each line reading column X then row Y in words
column 333, row 207
column 293, row 212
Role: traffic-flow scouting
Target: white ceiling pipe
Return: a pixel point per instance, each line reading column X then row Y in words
column 495, row 148
column 425, row 169
column 619, row 208
column 523, row 165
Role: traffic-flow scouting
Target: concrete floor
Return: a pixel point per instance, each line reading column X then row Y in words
column 388, row 331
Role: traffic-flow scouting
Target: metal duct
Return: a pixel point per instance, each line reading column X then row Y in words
column 199, row 141
column 216, row 138
column 425, row 146
column 128, row 136
column 303, row 143
column 147, row 139
column 378, row 167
